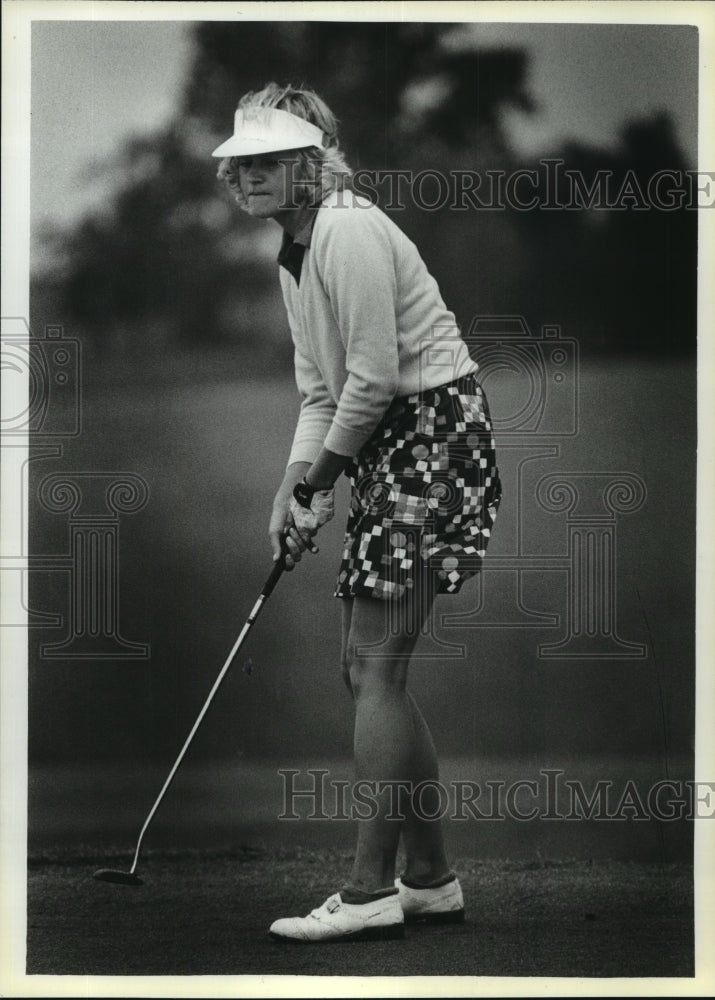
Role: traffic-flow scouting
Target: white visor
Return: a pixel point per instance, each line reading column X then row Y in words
column 268, row 130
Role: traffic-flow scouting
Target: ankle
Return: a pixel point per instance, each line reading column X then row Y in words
column 427, row 881
column 349, row 894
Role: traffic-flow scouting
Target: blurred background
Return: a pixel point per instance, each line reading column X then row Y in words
column 185, row 380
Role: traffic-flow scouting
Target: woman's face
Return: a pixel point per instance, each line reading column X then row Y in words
column 267, row 183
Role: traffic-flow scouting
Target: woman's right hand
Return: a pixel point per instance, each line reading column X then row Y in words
column 281, row 522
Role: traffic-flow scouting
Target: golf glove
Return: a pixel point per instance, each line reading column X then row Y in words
column 321, row 510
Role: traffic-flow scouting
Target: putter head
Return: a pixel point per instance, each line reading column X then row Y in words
column 112, row 875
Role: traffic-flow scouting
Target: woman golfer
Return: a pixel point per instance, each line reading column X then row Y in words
column 390, row 398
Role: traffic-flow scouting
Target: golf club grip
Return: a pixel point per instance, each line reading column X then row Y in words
column 277, row 570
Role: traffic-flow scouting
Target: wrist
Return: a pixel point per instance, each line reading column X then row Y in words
column 303, row 493
column 293, row 474
column 317, row 482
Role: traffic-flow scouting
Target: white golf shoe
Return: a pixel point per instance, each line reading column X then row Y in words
column 335, row 920
column 443, row 905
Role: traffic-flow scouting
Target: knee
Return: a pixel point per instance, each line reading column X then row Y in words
column 373, row 675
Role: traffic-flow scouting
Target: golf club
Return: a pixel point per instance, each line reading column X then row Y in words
column 130, row 877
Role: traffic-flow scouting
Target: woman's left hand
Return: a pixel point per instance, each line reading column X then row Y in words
column 302, row 523
column 308, row 520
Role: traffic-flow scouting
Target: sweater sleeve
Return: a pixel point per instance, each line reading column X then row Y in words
column 316, row 410
column 357, row 267
column 317, row 406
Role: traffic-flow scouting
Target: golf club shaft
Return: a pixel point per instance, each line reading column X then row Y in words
column 267, row 590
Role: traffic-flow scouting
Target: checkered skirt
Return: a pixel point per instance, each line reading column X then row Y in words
column 425, row 491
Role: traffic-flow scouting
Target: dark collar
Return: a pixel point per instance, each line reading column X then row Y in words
column 293, row 248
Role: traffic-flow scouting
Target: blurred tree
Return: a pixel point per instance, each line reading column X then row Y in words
column 166, row 261
column 153, row 258
column 376, row 77
column 169, row 262
column 624, row 278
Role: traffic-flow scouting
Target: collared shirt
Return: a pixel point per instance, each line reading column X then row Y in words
column 293, row 248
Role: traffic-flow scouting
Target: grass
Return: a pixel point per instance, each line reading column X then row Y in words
column 207, row 913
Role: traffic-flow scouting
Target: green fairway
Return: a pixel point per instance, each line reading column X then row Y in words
column 208, row 914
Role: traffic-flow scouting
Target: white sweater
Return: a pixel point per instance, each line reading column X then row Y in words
column 368, row 324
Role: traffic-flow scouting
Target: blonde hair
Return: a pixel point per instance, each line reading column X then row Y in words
column 320, row 171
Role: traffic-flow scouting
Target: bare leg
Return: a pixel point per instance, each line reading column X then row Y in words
column 392, row 744
column 423, row 838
